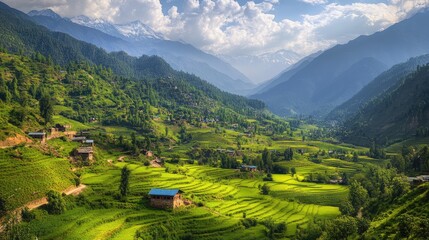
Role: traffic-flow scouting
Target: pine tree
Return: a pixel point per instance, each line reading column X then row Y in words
column 124, row 187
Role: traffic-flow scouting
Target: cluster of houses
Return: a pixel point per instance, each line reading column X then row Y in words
column 85, row 151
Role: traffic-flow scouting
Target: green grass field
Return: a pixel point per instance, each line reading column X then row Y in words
column 27, row 174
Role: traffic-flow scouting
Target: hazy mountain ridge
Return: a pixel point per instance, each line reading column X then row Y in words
column 302, row 92
column 377, row 87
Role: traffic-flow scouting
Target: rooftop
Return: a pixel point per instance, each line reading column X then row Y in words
column 248, row 166
column 36, row 134
column 83, row 150
column 89, row 141
column 164, row 192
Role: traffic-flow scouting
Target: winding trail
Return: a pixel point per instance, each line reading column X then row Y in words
column 72, row 190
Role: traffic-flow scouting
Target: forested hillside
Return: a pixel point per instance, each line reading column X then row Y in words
column 399, row 113
column 376, row 87
column 20, row 34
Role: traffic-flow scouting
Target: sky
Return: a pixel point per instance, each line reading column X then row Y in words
column 238, row 27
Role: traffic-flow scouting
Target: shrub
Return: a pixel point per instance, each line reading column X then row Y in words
column 27, row 215
column 56, row 203
column 265, row 189
column 249, row 222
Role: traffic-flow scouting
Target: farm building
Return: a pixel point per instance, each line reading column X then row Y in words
column 38, row 135
column 88, row 142
column 87, row 153
column 78, row 139
column 165, row 198
column 249, row 168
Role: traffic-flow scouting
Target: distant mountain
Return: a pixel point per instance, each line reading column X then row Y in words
column 330, row 79
column 181, row 56
column 56, row 23
column 263, row 67
column 286, row 74
column 376, row 88
column 133, row 31
column 396, row 114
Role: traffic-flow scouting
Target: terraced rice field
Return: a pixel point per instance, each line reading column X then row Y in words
column 225, row 199
column 20, row 176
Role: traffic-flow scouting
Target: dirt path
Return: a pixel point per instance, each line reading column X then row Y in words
column 72, row 190
column 42, row 201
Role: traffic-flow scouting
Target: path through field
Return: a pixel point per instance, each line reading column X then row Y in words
column 72, row 190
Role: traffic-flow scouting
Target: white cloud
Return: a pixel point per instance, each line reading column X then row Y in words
column 315, row 2
column 226, row 27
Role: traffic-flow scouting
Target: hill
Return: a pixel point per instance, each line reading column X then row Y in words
column 400, row 112
column 377, row 87
column 180, row 56
column 21, row 34
column 340, row 72
column 407, row 218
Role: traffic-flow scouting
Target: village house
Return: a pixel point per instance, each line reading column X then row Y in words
column 88, row 142
column 249, row 168
column 38, row 135
column 165, row 198
column 86, row 153
column 78, row 139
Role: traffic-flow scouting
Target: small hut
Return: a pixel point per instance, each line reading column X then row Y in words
column 87, row 153
column 165, row 198
column 249, row 168
column 38, row 135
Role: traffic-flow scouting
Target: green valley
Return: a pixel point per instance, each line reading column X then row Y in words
column 107, row 146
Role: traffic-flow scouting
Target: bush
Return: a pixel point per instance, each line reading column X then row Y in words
column 27, row 215
column 280, row 169
column 249, row 222
column 265, row 189
column 56, row 203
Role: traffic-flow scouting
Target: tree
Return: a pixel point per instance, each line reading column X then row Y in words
column 341, row 228
column 358, row 196
column 355, row 157
column 46, row 107
column 3, row 209
column 56, row 203
column 293, row 171
column 265, row 189
column 288, row 154
column 124, row 187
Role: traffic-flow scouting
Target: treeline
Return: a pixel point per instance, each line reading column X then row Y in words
column 371, row 193
column 412, row 160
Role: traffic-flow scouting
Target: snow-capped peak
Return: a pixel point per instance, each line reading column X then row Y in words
column 44, row 13
column 134, row 31
column 137, row 31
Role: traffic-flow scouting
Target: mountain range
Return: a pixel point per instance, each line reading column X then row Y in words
column 263, row 67
column 338, row 73
column 136, row 39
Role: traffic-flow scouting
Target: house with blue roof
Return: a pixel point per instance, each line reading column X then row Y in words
column 165, row 198
column 249, row 168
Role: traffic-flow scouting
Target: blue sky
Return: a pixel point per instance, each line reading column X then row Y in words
column 238, row 27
